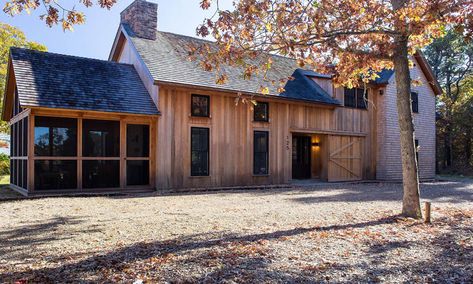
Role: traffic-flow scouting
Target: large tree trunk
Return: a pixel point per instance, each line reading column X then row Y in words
column 410, row 178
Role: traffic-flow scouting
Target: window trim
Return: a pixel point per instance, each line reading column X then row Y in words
column 267, row 152
column 208, row 105
column 267, row 112
column 192, row 174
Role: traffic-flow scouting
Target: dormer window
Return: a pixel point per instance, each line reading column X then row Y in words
column 200, row 105
column 356, row 98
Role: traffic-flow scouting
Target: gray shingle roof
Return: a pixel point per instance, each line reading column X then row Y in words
column 167, row 60
column 60, row 81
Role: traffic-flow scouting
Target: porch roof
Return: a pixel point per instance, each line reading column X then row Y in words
column 52, row 80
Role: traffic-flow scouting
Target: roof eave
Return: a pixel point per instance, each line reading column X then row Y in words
column 159, row 82
column 9, row 90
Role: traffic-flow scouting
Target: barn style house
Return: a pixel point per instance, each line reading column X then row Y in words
column 150, row 119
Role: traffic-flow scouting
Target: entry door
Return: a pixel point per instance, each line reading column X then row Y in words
column 301, row 167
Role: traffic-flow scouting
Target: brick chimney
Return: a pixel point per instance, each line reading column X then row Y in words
column 142, row 17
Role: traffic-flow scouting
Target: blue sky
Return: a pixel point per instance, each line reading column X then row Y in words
column 94, row 38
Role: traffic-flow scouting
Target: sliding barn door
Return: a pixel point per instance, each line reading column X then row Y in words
column 345, row 158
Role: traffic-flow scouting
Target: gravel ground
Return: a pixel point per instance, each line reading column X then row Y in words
column 320, row 233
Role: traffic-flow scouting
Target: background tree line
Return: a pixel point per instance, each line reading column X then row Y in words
column 451, row 58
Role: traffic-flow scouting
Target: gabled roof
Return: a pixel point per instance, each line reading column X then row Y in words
column 167, row 59
column 52, row 80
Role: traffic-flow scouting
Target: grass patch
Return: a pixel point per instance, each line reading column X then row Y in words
column 4, row 180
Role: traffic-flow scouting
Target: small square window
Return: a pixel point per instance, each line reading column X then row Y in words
column 261, row 112
column 200, row 105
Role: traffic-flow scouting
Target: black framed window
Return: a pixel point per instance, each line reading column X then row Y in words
column 200, row 105
column 55, row 174
column 101, row 174
column 261, row 112
column 137, row 172
column 199, row 151
column 101, row 138
column 356, row 98
column 415, row 102
column 55, row 136
column 137, row 140
column 261, row 153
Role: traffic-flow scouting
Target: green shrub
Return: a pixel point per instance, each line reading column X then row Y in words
column 4, row 164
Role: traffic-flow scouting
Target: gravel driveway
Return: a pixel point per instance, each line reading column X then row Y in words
column 319, row 233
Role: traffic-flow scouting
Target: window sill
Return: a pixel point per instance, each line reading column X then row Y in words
column 200, row 176
column 262, row 175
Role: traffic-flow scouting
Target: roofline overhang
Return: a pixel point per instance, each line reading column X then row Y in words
column 248, row 94
column 428, row 72
column 9, row 90
column 93, row 111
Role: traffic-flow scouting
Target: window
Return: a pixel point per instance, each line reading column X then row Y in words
column 261, row 112
column 260, row 156
column 199, row 151
column 55, row 174
column 101, row 173
column 54, row 136
column 101, row 138
column 137, row 170
column 356, row 98
column 415, row 102
column 200, row 105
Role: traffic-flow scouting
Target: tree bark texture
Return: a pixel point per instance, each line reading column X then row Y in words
column 411, row 198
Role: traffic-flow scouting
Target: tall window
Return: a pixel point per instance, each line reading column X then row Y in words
column 200, row 105
column 101, row 138
column 261, row 153
column 137, row 152
column 356, row 97
column 199, row 151
column 415, row 102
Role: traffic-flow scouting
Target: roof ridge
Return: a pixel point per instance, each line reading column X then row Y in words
column 67, row 55
column 209, row 41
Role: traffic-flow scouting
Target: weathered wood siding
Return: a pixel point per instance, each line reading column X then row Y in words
column 231, row 137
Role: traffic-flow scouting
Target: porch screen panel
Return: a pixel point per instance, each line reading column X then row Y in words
column 101, row 153
column 55, row 137
column 55, row 174
column 137, row 152
column 19, row 153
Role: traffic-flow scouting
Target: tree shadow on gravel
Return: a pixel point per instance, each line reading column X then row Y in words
column 17, row 242
column 124, row 258
column 451, row 261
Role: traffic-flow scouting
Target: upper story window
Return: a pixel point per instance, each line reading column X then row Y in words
column 261, row 112
column 200, row 105
column 356, row 97
column 415, row 102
